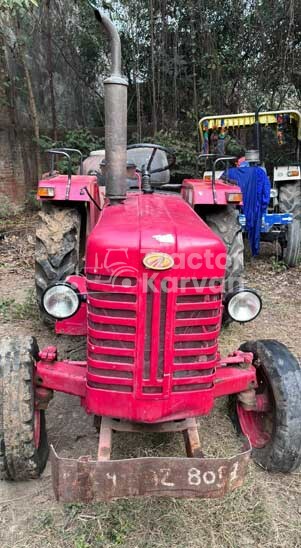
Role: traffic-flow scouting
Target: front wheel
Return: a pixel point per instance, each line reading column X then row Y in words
column 23, row 437
column 274, row 427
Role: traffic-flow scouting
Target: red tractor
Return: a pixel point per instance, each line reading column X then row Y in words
column 150, row 302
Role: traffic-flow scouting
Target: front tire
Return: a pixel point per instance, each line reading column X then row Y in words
column 23, row 437
column 274, row 432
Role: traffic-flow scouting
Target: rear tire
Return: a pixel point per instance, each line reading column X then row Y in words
column 275, row 434
column 291, row 251
column 57, row 252
column 23, row 437
column 225, row 223
column 290, row 202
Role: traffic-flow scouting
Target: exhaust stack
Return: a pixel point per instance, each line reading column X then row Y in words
column 115, row 118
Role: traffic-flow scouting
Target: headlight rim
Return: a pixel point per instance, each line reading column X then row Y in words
column 70, row 286
column 235, row 292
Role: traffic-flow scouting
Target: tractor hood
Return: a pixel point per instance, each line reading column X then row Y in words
column 126, row 233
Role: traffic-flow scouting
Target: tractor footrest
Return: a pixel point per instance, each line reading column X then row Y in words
column 86, row 480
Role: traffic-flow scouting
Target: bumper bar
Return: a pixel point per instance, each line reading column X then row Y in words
column 85, row 480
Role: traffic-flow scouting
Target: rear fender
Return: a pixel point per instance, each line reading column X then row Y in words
column 78, row 194
column 199, row 192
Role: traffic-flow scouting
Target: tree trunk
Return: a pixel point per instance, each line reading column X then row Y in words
column 50, row 69
column 154, row 96
column 33, row 111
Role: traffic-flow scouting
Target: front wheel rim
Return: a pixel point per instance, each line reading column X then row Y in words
column 258, row 425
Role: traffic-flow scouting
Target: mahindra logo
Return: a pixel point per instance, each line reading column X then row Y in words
column 158, row 261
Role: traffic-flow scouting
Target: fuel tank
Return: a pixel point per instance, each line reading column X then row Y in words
column 155, row 280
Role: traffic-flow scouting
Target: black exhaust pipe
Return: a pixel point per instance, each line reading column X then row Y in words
column 115, row 117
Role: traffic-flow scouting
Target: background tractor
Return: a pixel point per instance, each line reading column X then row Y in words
column 276, row 135
column 149, row 300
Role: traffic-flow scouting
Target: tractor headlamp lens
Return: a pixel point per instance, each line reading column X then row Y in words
column 243, row 305
column 61, row 301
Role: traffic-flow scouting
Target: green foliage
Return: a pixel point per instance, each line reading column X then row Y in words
column 7, row 208
column 278, row 266
column 12, row 5
column 31, row 202
column 10, row 310
column 80, row 139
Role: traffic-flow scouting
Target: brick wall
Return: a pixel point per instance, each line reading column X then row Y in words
column 17, row 166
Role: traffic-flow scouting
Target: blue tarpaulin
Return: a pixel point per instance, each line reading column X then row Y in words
column 255, row 186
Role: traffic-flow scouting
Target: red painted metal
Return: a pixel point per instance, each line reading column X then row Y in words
column 199, row 191
column 37, row 427
column 152, row 346
column 66, row 376
column 77, row 193
column 48, row 354
column 257, row 420
column 70, row 377
column 231, row 380
column 77, row 324
column 152, row 336
column 254, row 424
column 59, row 183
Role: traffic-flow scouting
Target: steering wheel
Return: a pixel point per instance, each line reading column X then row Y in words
column 170, row 153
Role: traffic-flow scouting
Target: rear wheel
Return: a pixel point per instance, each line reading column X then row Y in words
column 274, row 427
column 23, row 437
column 57, row 247
column 291, row 250
column 225, row 223
column 290, row 202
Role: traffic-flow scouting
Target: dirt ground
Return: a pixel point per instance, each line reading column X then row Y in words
column 264, row 513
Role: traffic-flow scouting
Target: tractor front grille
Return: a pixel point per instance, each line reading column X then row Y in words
column 164, row 341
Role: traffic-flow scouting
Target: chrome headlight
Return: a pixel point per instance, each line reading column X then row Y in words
column 61, row 301
column 243, row 305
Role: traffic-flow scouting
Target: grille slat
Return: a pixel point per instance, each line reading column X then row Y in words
column 111, row 351
column 119, row 305
column 197, row 321
column 202, row 379
column 215, row 305
column 117, row 336
column 99, row 366
column 207, row 336
column 122, row 318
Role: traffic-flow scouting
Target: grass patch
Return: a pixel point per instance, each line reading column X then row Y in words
column 10, row 310
column 7, row 208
